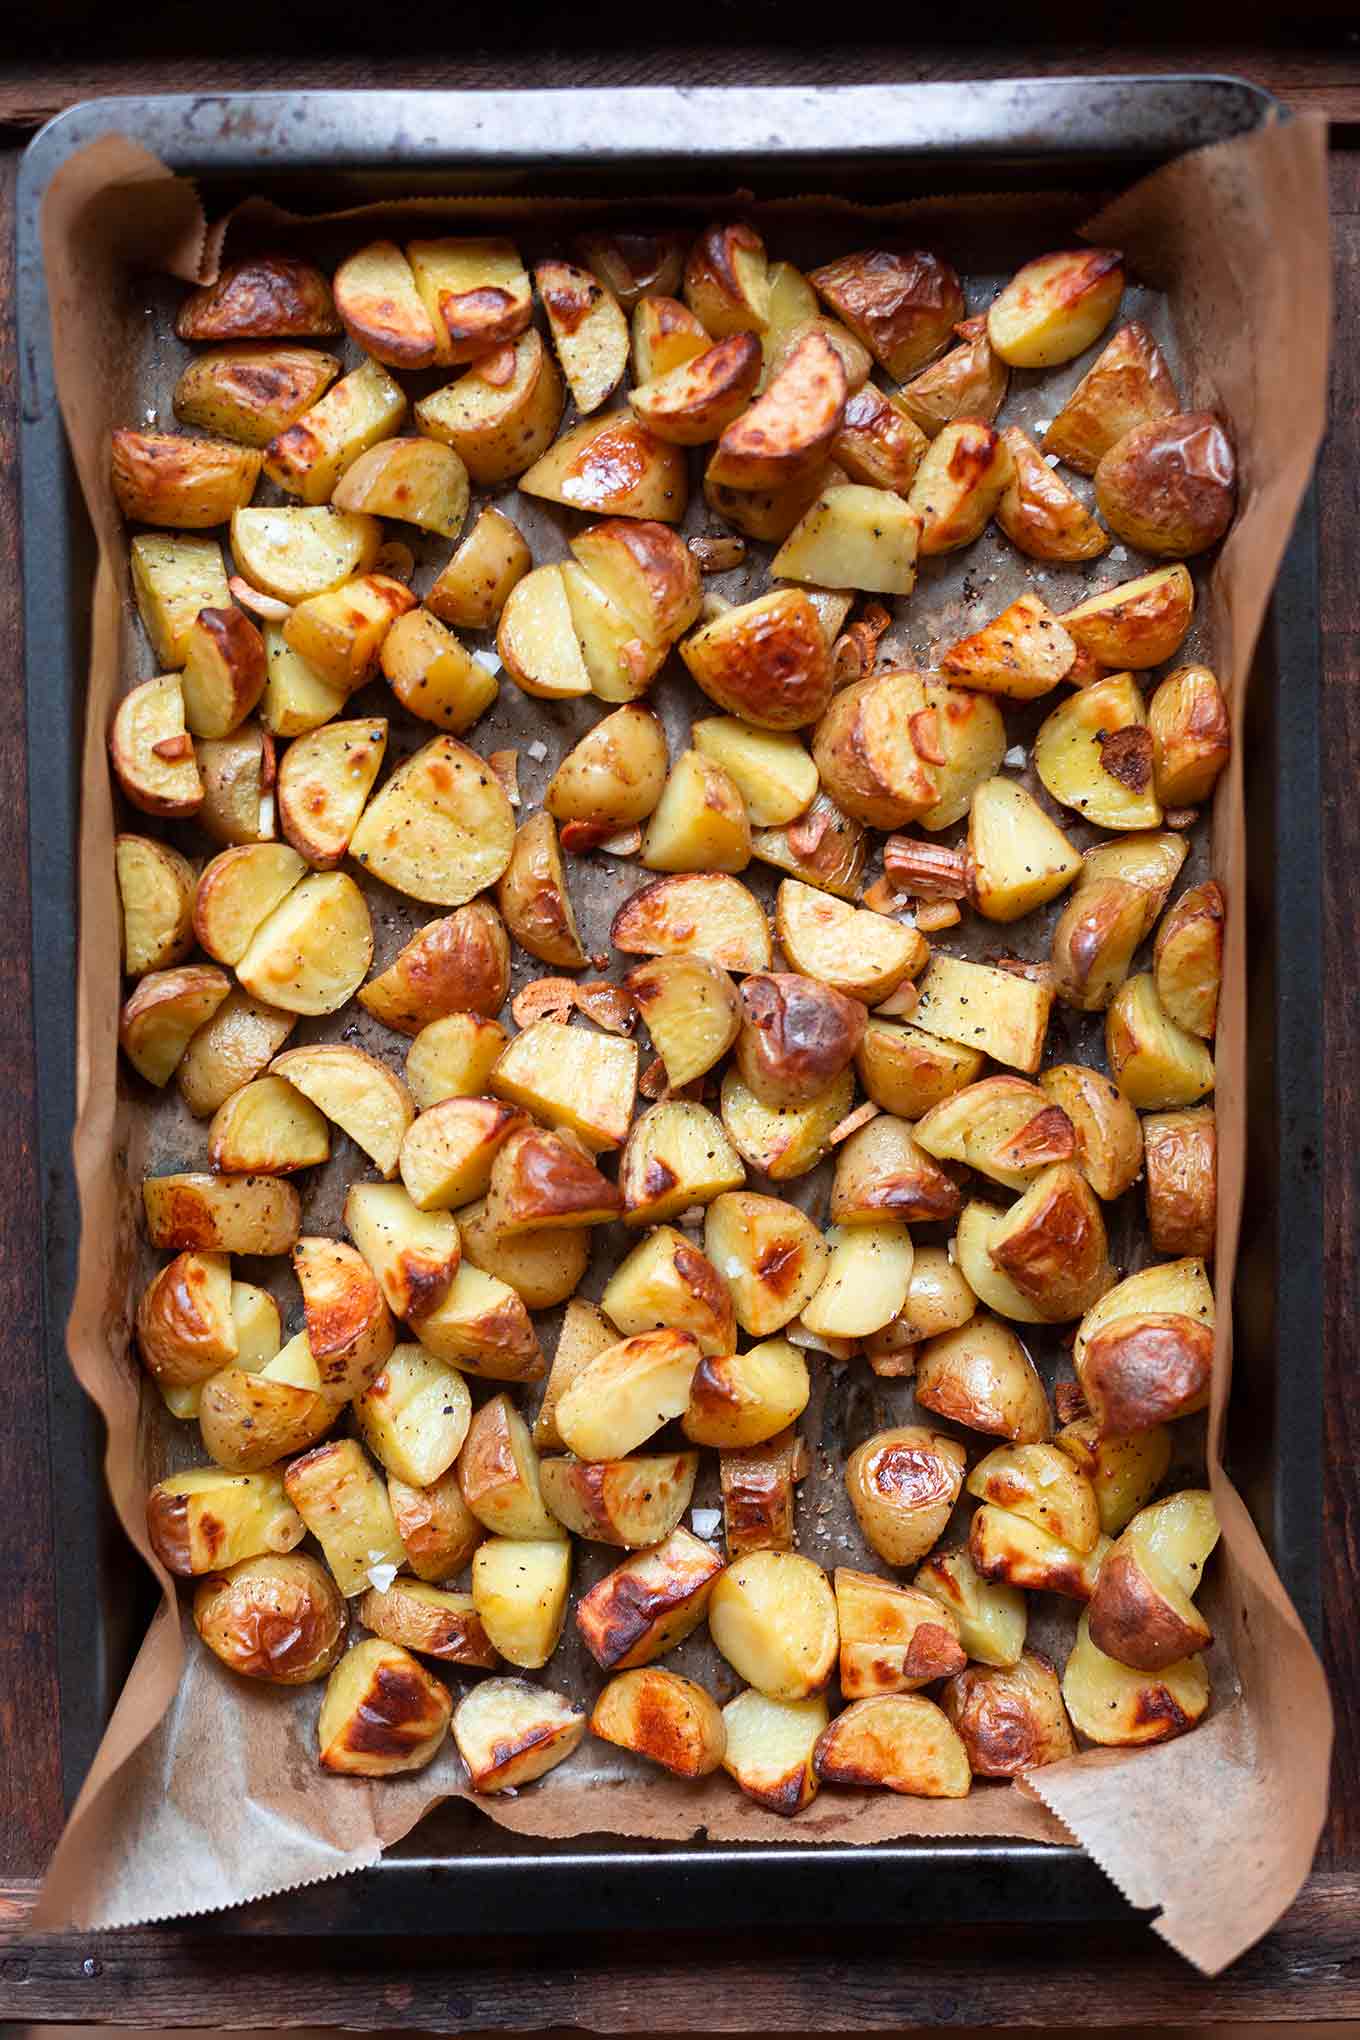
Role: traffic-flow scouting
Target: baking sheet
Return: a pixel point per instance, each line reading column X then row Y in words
column 223, row 1800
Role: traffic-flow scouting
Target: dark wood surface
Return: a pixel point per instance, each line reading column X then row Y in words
column 1309, row 1967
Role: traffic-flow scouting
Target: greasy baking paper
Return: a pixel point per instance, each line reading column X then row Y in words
column 205, row 1792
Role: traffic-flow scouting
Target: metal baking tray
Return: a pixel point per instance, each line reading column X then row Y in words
column 321, row 150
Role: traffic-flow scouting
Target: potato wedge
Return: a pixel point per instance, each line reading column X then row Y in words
column 1112, row 1704
column 537, row 639
column 1094, row 754
column 236, row 1045
column 498, row 1474
column 666, row 1280
column 1051, row 1245
column 665, row 1717
column 1107, row 1138
column 786, row 432
column 185, row 1326
column 1129, row 385
column 665, row 335
column 476, row 292
column 990, row 1616
column 430, row 1620
column 758, row 1484
column 436, row 1526
column 294, row 553
column 585, row 1334
column 978, row 1225
column 696, row 400
column 769, row 514
column 1144, row 1353
column 1169, row 486
column 340, row 634
column 189, row 484
column 1156, row 1063
column 1150, row 858
column 638, row 268
column 962, row 477
column 893, row 1639
column 500, row 415
column 173, row 577
column 264, row 297
column 866, row 750
column 775, row 776
column 360, row 1094
column 417, row 481
column 205, row 1519
column 519, row 1589
column 541, row 1179
column 382, row 1713
column 650, row 1603
column 1005, row 1128
column 1055, row 307
column 902, row 303
column 165, row 1009
column 1191, row 736
column 866, row 1280
column 452, row 1057
column 483, row 1327
column 742, row 1399
column 859, row 952
column 1094, row 939
column 700, row 822
column 542, row 1266
column 349, row 1327
column 1187, row 959
column 770, row 1255
column 309, row 458
column 614, row 466
column 249, row 394
column 1181, row 1151
column 152, row 752
column 646, row 571
column 769, row 1748
column 248, row 1421
column 340, row 1497
column 996, row 1011
column 1038, row 512
column 1142, row 1612
column 238, row 786
column 692, row 1012
column 906, row 1070
column 970, row 381
column 267, row 1128
column 903, row 1484
column 441, row 829
column 967, row 736
column 783, row 1141
column 676, row 1156
column 414, row 1254
column 1136, row 624
column 854, row 537
column 277, row 1617
column 824, row 848
column 447, row 1153
column 767, row 661
column 296, row 697
column 881, row 1172
column 509, row 1733
column 627, row 1392
column 1124, row 1472
column 458, row 967
column 902, row 1741
column 1006, row 1546
column 585, row 1082
column 879, row 442
column 1010, row 1720
column 727, row 283
column 237, row 892
column 705, row 914
column 156, row 898
column 633, row 1502
column 310, row 954
column 1018, row 858
column 982, row 1377
column 259, row 1339
column 324, row 780
column 787, row 330
column 383, row 312
column 772, row 1614
column 1022, row 653
column 534, row 899
column 614, row 775
column 473, row 588
column 224, row 671
column 797, row 1036
column 618, row 663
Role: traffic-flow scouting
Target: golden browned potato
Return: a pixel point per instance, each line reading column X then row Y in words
column 324, row 780
column 697, row 399
column 977, row 1006
column 906, row 1070
column 418, row 481
column 163, row 1013
column 758, row 1486
column 978, row 1226
column 663, row 1716
column 473, row 588
column 447, row 1153
column 893, row 1639
column 860, row 952
column 772, row 1614
column 476, row 292
column 1181, row 1151
column 541, row 1179
column 1129, row 385
column 824, row 848
column 267, row 1128
column 340, row 633
column 902, row 303
column 498, row 1473
column 296, row 698
column 646, row 571
column 236, row 1045
column 383, row 312
column 221, row 1214
column 962, row 477
column 880, row 442
column 459, row 966
column 1053, row 308
column 264, row 297
column 152, row 752
column 794, row 313
column 963, row 737
column 310, row 954
column 769, row 1748
column 309, row 458
column 938, row 1300
column 1125, row 1472
column 436, row 1526
column 614, row 775
column 175, row 575
column 430, row 1620
column 767, row 661
column 342, row 1500
column 585, row 1334
column 1094, row 939
column 296, row 553
column 783, row 1141
column 1037, row 511
column 796, row 1038
column 205, row 1519
column 1145, row 1352
column 1007, row 1546
column 349, row 1328
column 542, row 1266
column 1187, row 959
column 414, row 1254
column 1142, row 1612
column 1151, row 858
column 692, row 1011
column 970, row 381
column 618, row 663
column 533, row 896
column 727, row 280
column 509, row 1733
column 453, row 1057
column 357, row 1092
column 769, row 514
column 706, row 914
column 853, row 537
column 770, row 1255
column 903, row 1483
column 1154, row 1061
column 238, row 890
column 414, row 1416
column 1112, row 1704
column 238, row 786
column 1052, row 1246
column 224, row 671
column 637, row 267
column 588, row 328
column 981, row 1376
column 1191, row 736
column 1169, row 487
column 665, row 335
column 188, row 484
column 520, row 1587
column 1107, row 1138
column 442, row 829
column 249, row 1421
column 1094, row 754
column 583, row 1081
column 382, row 1712
column 1137, row 624
column 1018, row 858
column 156, row 895
column 277, row 1617
column 614, row 466
column 990, row 1616
column 1022, row 653
column 676, row 1156
column 634, row 1502
column 787, row 432
column 501, row 414
column 650, row 1603
column 538, row 638
column 868, row 749
column 741, row 1399
column 1004, row 1127
column 665, row 1280
column 881, row 1172
column 899, row 1740
column 1010, row 1719
column 627, row 1392
column 700, row 822
column 185, row 1326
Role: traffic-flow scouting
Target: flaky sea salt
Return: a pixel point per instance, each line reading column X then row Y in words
column 1052, row 459
column 1015, row 758
column 382, row 1576
column 488, row 658
column 538, row 752
column 705, row 1521
column 1041, row 426
column 1117, row 555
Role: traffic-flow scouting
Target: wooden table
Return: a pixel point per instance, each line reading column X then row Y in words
column 1309, row 1967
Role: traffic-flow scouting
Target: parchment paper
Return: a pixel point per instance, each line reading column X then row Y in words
column 205, row 1792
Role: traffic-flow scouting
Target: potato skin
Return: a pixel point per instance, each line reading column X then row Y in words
column 1147, row 1368
column 266, row 297
column 1169, row 487
column 903, row 304
column 1181, row 1154
column 767, row 661
column 796, row 1036
column 460, row 964
column 1130, row 1620
column 982, row 1376
column 280, row 1618
column 383, row 1712
column 903, row 1483
column 1129, row 385
column 1010, row 1719
column 182, row 1334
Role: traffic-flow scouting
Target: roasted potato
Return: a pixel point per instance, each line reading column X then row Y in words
column 1039, row 514
column 447, row 1153
column 1010, row 1720
column 650, row 1603
column 666, row 1280
column 938, row 1298
column 173, row 577
column 547, row 1180
column 294, row 554
column 442, row 829
column 224, row 671
column 452, row 1057
column 866, row 749
column 1124, row 1472
column 534, row 899
column 436, row 1526
column 823, row 848
column 694, row 401
column 309, row 458
column 1094, row 754
column 906, row 1070
column 324, row 780
column 1145, row 1352
column 624, row 1394
column 770, row 1255
column 1004, row 1127
column 665, row 1717
column 414, row 1254
column 236, row 893
column 879, row 442
column 1191, row 736
column 900, row 1740
column 418, row 481
column 646, row 571
column 991, row 1617
column 1018, row 858
column 249, row 1421
column 156, row 896
column 152, row 752
column 742, row 1399
column 1187, row 959
column 267, row 1128
column 758, row 1484
column 1169, row 486
column 615, row 467
column 633, row 1502
column 519, row 1589
column 277, row 1617
column 902, row 303
column 185, row 1326
column 542, row 1267
column 1155, row 1062
column 1181, row 1153
column 296, row 698
column 796, row 1038
column 962, row 477
column 383, row 312
column 636, row 267
column 1150, row 858
column 340, row 633
column 692, row 1011
column 473, row 588
column 498, row 1474
column 893, row 1639
column 881, row 1172
column 767, row 661
column 537, row 638
column 584, row 1335
column 456, row 967
column 787, row 432
column 772, row 1614
column 1007, row 1546
column 1052, row 1246
column 382, row 1712
column 236, row 1045
column 205, row 1519
column 783, row 1141
column 344, row 1504
column 1129, row 385
column 1094, row 939
column 1053, row 308
column 903, row 1484
column 588, row 328
column 853, row 951
column 1137, row 624
column 707, row 914
column 582, row 1081
column 357, row 1092
column 163, row 1012
column 1022, row 653
column 1112, row 1704
column 966, row 738
column 430, row 1620
column 770, row 514
column 700, row 822
column 665, row 335
column 189, row 484
column 727, row 280
column 509, row 1733
column 793, row 312
column 977, row 1006
column 264, row 297
column 676, row 1156
column 221, row 1214
column 854, row 537
column 970, row 381
column 614, row 775
column 1107, row 1138
column 310, row 954
column 238, row 786
column 978, row 1226
column 414, row 1416
column 769, row 1748
column 349, row 1329
column 501, row 413
column 476, row 292
column 982, row 1377
column 1142, row 1612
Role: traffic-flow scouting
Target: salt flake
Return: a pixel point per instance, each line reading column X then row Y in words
column 1015, row 757
column 382, row 1576
column 705, row 1521
column 538, row 752
column 489, row 659
column 1052, row 459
